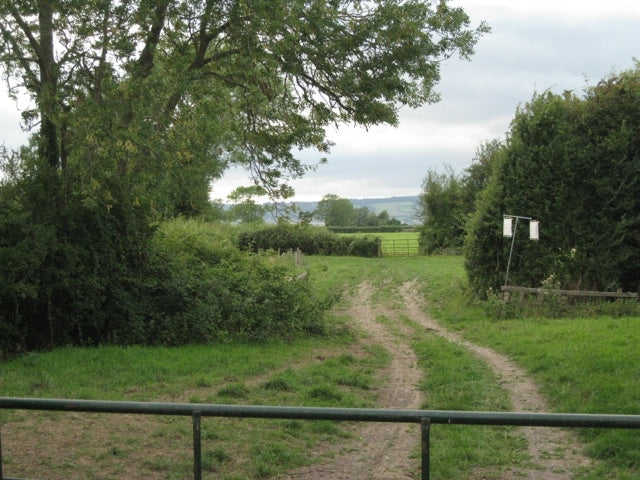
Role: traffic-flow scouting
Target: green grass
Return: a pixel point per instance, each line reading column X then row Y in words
column 272, row 374
column 589, row 365
column 398, row 235
column 142, row 373
column 581, row 364
column 457, row 381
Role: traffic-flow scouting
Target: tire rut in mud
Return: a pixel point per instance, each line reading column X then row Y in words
column 384, row 450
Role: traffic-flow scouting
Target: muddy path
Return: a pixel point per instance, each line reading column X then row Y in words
column 384, row 450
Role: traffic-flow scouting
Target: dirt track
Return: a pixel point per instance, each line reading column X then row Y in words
column 382, row 451
column 385, row 449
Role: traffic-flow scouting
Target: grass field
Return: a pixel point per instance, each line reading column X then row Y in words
column 582, row 365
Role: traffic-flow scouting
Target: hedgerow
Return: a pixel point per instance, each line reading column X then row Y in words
column 181, row 282
column 310, row 240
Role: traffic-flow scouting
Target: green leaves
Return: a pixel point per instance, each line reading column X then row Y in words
column 141, row 104
column 255, row 78
column 571, row 163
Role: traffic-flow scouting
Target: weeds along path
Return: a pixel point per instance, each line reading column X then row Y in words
column 384, row 449
column 555, row 453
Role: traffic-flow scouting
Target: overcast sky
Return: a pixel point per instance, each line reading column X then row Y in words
column 535, row 45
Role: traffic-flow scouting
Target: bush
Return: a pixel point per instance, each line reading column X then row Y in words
column 202, row 288
column 373, row 229
column 571, row 163
column 310, row 240
column 75, row 273
column 69, row 267
column 364, row 247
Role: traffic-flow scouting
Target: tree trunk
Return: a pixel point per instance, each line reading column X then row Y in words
column 47, row 94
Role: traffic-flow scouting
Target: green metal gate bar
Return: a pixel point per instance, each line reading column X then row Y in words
column 423, row 417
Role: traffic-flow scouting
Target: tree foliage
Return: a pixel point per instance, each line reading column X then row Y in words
column 340, row 212
column 442, row 211
column 335, row 211
column 448, row 199
column 137, row 105
column 574, row 164
column 245, row 209
column 173, row 90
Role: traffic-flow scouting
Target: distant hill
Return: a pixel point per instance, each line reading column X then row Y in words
column 402, row 208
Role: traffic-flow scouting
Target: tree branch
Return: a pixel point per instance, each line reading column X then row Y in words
column 20, row 57
column 25, row 29
column 145, row 61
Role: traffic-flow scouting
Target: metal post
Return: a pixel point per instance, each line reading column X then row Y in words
column 513, row 239
column 425, row 424
column 1, row 475
column 197, row 446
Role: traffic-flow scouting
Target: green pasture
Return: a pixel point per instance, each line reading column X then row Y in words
column 586, row 364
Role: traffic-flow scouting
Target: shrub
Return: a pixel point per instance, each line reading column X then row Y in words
column 571, row 163
column 201, row 287
column 310, row 240
column 83, row 278
column 69, row 267
column 364, row 247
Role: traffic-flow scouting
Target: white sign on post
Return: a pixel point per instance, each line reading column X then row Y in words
column 534, row 233
column 507, row 229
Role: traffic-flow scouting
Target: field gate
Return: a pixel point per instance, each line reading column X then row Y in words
column 425, row 418
column 404, row 247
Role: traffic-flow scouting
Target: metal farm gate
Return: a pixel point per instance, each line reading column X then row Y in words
column 425, row 418
column 404, row 247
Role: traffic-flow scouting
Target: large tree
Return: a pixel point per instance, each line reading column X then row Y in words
column 138, row 104
column 335, row 211
column 169, row 92
column 448, row 199
column 442, row 210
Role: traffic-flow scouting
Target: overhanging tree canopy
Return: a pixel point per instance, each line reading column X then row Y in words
column 167, row 93
column 139, row 104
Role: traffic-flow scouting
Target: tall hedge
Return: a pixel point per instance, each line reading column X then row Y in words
column 202, row 288
column 70, row 269
column 310, row 240
column 573, row 164
column 81, row 275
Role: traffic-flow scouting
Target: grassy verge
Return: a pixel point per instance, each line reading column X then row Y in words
column 309, row 372
column 455, row 380
column 582, row 365
column 453, row 377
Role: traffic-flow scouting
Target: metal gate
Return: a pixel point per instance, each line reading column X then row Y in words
column 403, row 247
column 424, row 417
